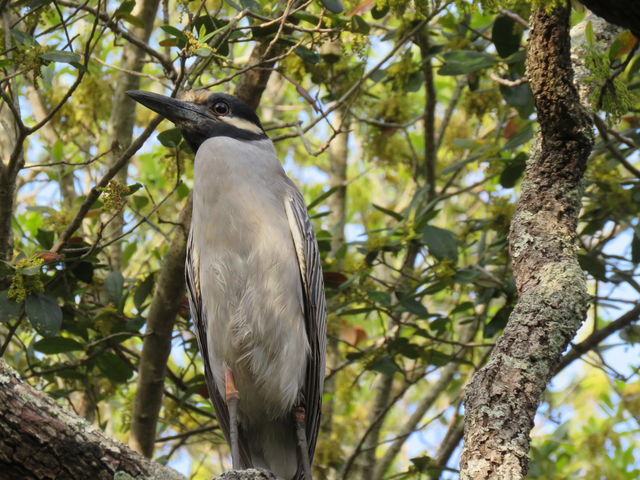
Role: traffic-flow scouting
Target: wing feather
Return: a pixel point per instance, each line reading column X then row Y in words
column 308, row 255
column 198, row 314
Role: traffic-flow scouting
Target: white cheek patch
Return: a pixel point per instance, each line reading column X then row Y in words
column 242, row 124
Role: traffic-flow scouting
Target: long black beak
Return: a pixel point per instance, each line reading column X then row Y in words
column 179, row 112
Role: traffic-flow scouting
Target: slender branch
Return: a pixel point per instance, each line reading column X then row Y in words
column 604, row 133
column 114, row 27
column 95, row 191
column 593, row 340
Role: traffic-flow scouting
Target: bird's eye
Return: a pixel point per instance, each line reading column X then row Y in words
column 220, row 108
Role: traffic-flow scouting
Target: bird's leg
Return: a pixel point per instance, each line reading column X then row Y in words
column 232, row 397
column 301, row 435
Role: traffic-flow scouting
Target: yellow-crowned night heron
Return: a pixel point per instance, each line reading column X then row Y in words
column 255, row 285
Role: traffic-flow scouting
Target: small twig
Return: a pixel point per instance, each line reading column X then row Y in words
column 514, row 16
column 95, row 191
column 190, row 433
column 71, row 164
column 508, row 83
column 10, row 333
column 604, row 133
column 64, row 25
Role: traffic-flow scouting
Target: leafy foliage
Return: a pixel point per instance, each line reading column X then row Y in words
column 420, row 282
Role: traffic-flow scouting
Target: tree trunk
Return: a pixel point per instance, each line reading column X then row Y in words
column 503, row 397
column 167, row 299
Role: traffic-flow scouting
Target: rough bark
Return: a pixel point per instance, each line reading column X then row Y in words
column 624, row 13
column 170, row 289
column 503, row 397
column 41, row 440
column 11, row 156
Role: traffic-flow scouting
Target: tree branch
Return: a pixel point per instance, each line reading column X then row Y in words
column 503, row 396
column 66, row 445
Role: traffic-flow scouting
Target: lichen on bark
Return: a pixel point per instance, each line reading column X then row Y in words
column 502, row 399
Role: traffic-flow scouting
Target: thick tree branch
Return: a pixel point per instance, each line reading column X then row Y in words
column 67, row 446
column 503, row 397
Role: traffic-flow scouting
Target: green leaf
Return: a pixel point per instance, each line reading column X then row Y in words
column 8, row 308
column 635, row 249
column 523, row 136
column 233, row 4
column 498, row 322
column 434, row 357
column 519, row 97
column 459, row 62
column 45, row 238
column 252, row 5
column 114, row 284
column 114, row 368
column 381, row 298
column 506, row 36
column 440, row 242
column 60, row 56
column 180, row 37
column 44, row 314
column 322, row 197
column 307, row 55
column 140, row 201
column 310, row 18
column 378, row 12
column 359, row 25
column 125, row 7
column 143, row 290
column 170, row 138
column 513, row 170
column 23, row 38
column 82, row 271
column 593, row 265
column 588, row 34
column 203, row 52
column 173, row 31
column 384, row 365
column 334, row 6
column 414, row 82
column 402, row 346
column 54, row 345
column 386, row 211
column 133, row 188
column 422, row 463
column 412, row 305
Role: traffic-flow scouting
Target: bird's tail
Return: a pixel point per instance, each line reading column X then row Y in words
column 272, row 446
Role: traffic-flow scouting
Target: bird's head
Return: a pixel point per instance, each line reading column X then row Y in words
column 201, row 115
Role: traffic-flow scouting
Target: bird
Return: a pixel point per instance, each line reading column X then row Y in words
column 254, row 282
